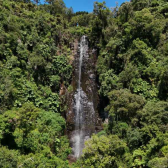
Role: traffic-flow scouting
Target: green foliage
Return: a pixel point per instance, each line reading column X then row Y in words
column 124, row 106
column 34, row 130
column 132, row 71
column 34, row 62
column 31, row 127
column 158, row 162
column 132, row 48
column 104, row 152
column 8, row 158
column 61, row 67
column 155, row 112
column 81, row 20
column 32, row 56
column 108, row 82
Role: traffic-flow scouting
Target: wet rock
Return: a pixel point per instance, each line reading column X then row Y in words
column 71, row 159
column 106, row 121
column 86, row 138
column 82, row 114
column 92, row 76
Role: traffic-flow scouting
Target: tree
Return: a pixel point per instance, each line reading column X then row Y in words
column 33, row 129
column 104, row 152
column 125, row 12
column 8, row 158
column 155, row 113
column 140, row 4
column 57, row 7
column 101, row 13
column 124, row 106
column 69, row 13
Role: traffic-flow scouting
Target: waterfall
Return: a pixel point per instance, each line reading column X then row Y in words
column 83, row 106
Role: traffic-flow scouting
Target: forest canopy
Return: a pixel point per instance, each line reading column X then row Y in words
column 132, row 71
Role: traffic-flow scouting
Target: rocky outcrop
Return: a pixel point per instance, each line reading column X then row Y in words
column 88, row 95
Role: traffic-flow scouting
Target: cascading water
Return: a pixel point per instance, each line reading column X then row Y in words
column 85, row 95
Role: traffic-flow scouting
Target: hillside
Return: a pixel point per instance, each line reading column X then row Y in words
column 37, row 63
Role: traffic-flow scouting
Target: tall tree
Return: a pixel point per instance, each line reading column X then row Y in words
column 57, row 6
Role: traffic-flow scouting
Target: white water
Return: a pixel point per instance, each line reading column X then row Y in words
column 80, row 99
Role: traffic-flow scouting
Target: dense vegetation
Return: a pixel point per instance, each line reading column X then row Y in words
column 132, row 69
column 35, row 60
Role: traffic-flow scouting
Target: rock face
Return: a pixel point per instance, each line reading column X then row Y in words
column 82, row 115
